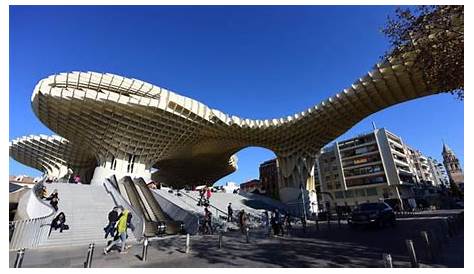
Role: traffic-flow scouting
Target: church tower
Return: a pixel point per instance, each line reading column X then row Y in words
column 453, row 168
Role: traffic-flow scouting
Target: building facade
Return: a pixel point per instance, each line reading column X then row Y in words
column 251, row 186
column 438, row 171
column 269, row 178
column 367, row 168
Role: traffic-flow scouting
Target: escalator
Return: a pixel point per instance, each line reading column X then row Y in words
column 154, row 210
column 140, row 199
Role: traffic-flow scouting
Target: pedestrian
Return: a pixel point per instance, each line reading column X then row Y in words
column 208, row 195
column 54, row 199
column 277, row 223
column 303, row 223
column 121, row 233
column 113, row 218
column 129, row 221
column 59, row 222
column 43, row 192
column 208, row 221
column 274, row 224
column 201, row 197
column 287, row 224
column 230, row 212
column 266, row 222
column 242, row 221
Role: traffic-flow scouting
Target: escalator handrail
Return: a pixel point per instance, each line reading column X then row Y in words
column 217, row 209
column 140, row 229
column 128, row 183
column 139, row 182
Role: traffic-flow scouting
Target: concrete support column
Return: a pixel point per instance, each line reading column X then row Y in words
column 296, row 170
column 102, row 173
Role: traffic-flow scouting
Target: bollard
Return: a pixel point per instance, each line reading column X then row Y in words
column 19, row 258
column 411, row 253
column 387, row 260
column 428, row 245
column 247, row 236
column 145, row 249
column 90, row 253
column 339, row 221
column 187, row 243
column 220, row 239
column 329, row 221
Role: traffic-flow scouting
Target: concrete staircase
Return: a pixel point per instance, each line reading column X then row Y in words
column 188, row 201
column 86, row 208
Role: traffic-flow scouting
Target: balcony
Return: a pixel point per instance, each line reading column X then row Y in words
column 366, row 175
column 356, row 145
column 397, row 161
column 362, row 165
column 359, row 155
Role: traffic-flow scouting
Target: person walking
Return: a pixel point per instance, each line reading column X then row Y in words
column 201, row 197
column 54, row 199
column 266, row 223
column 43, row 192
column 287, row 224
column 230, row 212
column 208, row 221
column 242, row 221
column 122, row 233
column 59, row 222
column 274, row 224
column 113, row 218
column 208, row 195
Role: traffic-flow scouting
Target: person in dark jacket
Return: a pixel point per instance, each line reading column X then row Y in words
column 129, row 222
column 113, row 218
column 208, row 221
column 54, row 199
column 59, row 222
column 230, row 212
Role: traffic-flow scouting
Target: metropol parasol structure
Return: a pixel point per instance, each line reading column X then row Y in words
column 113, row 125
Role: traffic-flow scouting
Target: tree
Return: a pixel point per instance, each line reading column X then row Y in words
column 441, row 59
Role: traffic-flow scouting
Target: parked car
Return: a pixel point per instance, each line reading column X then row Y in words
column 378, row 214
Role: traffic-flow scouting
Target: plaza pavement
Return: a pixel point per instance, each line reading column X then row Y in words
column 331, row 246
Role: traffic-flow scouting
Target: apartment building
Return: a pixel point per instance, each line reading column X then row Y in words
column 367, row 168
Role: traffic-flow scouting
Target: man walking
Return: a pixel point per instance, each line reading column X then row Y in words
column 113, row 218
column 208, row 221
column 230, row 212
column 122, row 233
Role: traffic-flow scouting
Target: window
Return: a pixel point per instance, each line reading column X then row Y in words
column 349, row 194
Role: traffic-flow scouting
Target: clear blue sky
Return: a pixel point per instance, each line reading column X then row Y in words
column 253, row 62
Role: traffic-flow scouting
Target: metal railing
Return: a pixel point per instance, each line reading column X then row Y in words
column 138, row 220
column 189, row 218
column 211, row 206
column 218, row 223
column 31, row 233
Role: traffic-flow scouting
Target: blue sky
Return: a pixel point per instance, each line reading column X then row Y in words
column 253, row 62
